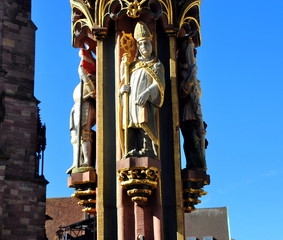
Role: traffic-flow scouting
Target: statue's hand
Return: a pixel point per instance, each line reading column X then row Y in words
column 125, row 89
column 125, row 59
column 143, row 97
column 74, row 137
column 158, row 66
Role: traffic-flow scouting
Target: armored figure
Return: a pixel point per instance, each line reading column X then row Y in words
column 146, row 93
column 82, row 117
column 191, row 121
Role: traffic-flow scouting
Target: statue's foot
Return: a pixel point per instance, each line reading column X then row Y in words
column 85, row 164
column 147, row 153
column 82, row 169
column 69, row 171
column 132, row 153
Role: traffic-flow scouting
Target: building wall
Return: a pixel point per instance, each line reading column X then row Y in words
column 208, row 222
column 22, row 190
column 63, row 211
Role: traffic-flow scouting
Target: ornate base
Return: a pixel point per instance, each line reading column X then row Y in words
column 139, row 182
column 193, row 182
column 139, row 176
column 85, row 189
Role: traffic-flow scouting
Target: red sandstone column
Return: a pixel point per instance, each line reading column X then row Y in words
column 138, row 217
column 139, row 221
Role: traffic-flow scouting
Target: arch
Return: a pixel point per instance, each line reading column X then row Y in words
column 190, row 19
column 81, row 6
column 132, row 8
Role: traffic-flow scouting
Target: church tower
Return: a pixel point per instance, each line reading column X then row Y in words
column 22, row 136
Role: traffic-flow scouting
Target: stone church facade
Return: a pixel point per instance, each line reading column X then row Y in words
column 22, row 135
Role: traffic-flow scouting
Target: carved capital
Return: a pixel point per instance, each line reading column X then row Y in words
column 193, row 182
column 139, row 173
column 139, row 182
column 85, row 190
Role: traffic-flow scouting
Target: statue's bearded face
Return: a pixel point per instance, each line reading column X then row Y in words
column 145, row 48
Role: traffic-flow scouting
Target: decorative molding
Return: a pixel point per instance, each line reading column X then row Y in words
column 186, row 15
column 94, row 16
column 139, row 173
column 190, row 19
column 82, row 20
column 139, row 182
column 193, row 182
column 85, row 190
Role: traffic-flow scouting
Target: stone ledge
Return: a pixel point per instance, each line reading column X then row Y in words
column 81, row 178
column 132, row 162
column 39, row 179
column 29, row 99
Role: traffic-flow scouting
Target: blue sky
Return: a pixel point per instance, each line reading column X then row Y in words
column 240, row 70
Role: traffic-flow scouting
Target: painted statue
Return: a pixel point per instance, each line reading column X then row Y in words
column 83, row 117
column 145, row 95
column 191, row 121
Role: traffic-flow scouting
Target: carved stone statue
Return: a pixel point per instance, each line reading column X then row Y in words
column 146, row 92
column 82, row 117
column 191, row 121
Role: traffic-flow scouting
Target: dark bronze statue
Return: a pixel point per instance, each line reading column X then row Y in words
column 191, row 121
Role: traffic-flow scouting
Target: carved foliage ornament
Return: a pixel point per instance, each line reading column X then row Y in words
column 96, row 14
column 151, row 174
column 134, row 9
column 139, row 182
column 89, row 3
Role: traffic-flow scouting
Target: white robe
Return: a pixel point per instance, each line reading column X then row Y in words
column 149, row 77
